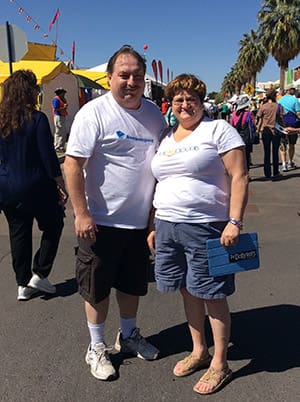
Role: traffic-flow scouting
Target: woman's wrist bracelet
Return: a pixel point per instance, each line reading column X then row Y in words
column 234, row 222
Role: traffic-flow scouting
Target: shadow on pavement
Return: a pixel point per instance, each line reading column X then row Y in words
column 268, row 337
column 64, row 289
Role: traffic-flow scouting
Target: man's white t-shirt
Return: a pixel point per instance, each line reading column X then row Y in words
column 193, row 185
column 119, row 145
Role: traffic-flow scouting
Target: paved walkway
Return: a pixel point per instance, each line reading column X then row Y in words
column 43, row 341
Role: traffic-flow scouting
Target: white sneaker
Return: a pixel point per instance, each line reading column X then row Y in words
column 99, row 361
column 25, row 293
column 284, row 167
column 291, row 165
column 137, row 345
column 42, row 284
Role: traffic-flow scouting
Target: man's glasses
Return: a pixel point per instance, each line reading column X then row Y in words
column 189, row 101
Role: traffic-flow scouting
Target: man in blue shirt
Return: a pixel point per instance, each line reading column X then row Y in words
column 291, row 117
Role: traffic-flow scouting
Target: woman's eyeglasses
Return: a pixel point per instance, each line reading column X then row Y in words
column 189, row 101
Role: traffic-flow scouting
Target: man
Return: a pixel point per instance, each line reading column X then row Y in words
column 291, row 116
column 59, row 111
column 112, row 141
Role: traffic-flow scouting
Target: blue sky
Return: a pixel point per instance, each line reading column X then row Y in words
column 197, row 36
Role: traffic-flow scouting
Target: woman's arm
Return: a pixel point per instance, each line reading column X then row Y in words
column 235, row 164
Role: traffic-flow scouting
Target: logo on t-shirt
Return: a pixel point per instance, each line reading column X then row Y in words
column 123, row 136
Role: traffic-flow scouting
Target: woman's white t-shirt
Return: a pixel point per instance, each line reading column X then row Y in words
column 193, row 185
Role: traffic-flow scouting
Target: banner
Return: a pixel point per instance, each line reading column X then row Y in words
column 154, row 68
column 57, row 14
column 160, row 69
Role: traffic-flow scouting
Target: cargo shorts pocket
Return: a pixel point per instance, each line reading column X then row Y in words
column 86, row 264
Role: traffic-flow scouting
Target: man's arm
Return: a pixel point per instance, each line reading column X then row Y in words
column 84, row 224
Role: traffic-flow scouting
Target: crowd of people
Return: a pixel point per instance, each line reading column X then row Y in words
column 150, row 180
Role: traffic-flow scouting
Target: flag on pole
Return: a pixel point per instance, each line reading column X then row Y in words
column 73, row 54
column 57, row 14
column 154, row 68
column 160, row 69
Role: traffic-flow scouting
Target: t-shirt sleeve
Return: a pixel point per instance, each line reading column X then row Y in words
column 83, row 135
column 227, row 137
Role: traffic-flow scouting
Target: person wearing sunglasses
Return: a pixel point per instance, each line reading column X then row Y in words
column 201, row 193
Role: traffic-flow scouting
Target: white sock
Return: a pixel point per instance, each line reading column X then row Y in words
column 96, row 333
column 127, row 326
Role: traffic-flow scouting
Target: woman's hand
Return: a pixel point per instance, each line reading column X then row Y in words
column 230, row 235
column 151, row 241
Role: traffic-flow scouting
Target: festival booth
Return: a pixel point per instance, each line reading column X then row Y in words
column 50, row 75
column 91, row 84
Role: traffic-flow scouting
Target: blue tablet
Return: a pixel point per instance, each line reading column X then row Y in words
column 228, row 260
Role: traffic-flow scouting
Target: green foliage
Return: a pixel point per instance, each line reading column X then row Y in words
column 278, row 34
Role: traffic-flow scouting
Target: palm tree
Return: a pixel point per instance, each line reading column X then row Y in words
column 252, row 56
column 279, row 29
column 233, row 80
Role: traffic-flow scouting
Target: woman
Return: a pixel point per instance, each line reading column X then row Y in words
column 267, row 115
column 31, row 183
column 243, row 121
column 201, row 193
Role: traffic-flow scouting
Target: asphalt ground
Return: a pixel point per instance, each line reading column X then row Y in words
column 43, row 341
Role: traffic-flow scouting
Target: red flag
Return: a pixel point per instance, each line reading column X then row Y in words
column 57, row 14
column 154, row 68
column 160, row 70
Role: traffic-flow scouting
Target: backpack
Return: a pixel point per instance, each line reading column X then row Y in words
column 247, row 132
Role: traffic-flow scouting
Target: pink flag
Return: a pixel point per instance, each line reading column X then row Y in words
column 73, row 53
column 57, row 14
column 160, row 69
column 154, row 68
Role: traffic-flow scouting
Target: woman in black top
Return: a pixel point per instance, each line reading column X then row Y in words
column 31, row 183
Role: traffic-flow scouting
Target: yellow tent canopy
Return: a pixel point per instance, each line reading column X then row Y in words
column 40, row 51
column 99, row 77
column 45, row 71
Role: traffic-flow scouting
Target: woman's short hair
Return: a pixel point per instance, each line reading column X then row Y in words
column 185, row 82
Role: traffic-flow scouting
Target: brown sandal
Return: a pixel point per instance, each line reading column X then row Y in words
column 215, row 378
column 190, row 364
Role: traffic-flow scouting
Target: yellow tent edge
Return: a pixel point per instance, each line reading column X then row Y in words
column 45, row 71
column 99, row 77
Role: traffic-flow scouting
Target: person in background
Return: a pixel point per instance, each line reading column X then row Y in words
column 291, row 118
column 243, row 121
column 224, row 111
column 170, row 117
column 112, row 141
column 59, row 111
column 201, row 193
column 280, row 94
column 33, row 187
column 215, row 111
column 267, row 116
column 164, row 106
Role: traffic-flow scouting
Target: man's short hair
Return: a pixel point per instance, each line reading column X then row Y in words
column 125, row 49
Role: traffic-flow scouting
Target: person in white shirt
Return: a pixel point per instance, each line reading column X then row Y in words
column 201, row 193
column 112, row 142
